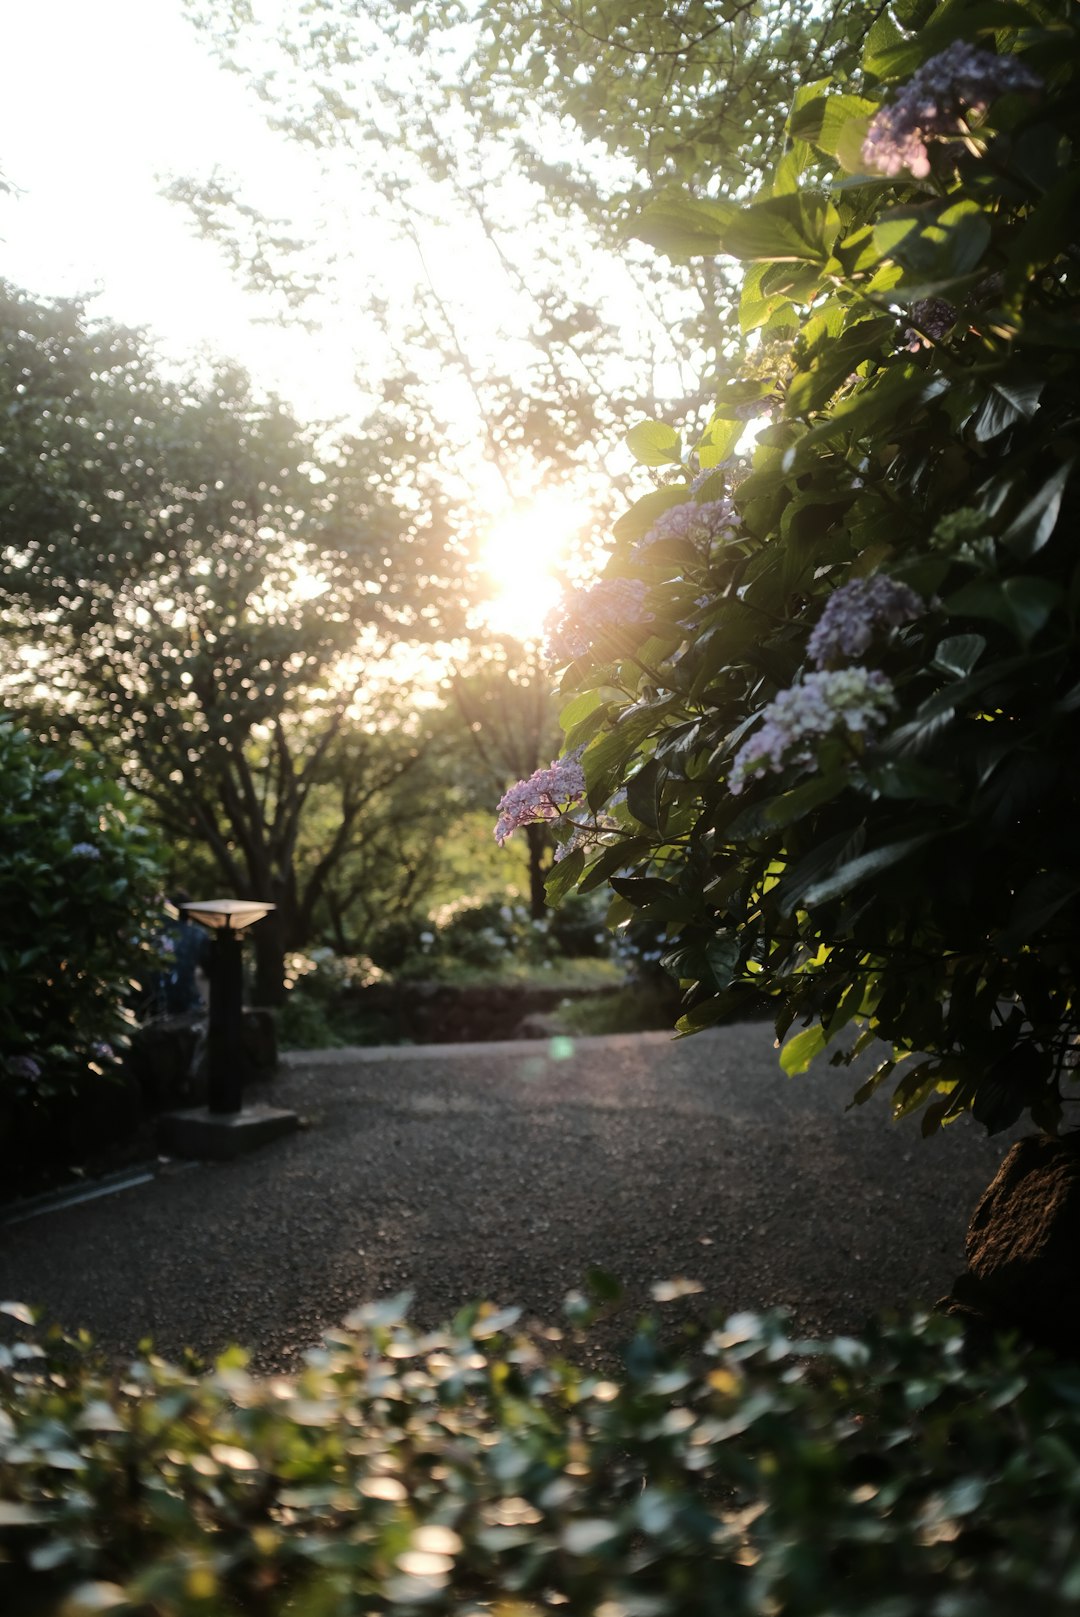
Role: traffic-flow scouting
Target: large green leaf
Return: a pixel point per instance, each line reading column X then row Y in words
column 563, row 876
column 800, row 1051
column 685, row 227
column 800, row 227
column 1022, row 604
column 1008, row 399
column 654, row 443
column 935, row 243
column 1031, row 529
column 857, row 870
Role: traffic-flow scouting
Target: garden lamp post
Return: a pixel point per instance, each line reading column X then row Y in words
column 226, row 918
column 224, row 1127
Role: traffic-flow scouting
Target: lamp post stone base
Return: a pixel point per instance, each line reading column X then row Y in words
column 219, row 1136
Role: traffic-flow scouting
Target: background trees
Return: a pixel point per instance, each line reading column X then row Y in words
column 189, row 578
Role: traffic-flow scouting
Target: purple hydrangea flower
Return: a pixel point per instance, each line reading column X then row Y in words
column 853, row 614
column 931, row 317
column 582, row 615
column 86, row 850
column 25, row 1068
column 961, row 80
column 51, row 776
column 102, row 1051
column 853, row 700
column 544, row 796
column 699, row 524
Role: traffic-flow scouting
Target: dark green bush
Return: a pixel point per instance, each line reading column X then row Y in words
column 400, row 940
column 80, row 881
column 473, row 1470
column 824, row 730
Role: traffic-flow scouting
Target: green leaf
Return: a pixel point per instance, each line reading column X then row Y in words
column 892, row 55
column 800, row 1051
column 958, row 653
column 1022, row 605
column 790, row 807
column 935, row 243
column 626, row 851
column 635, row 523
column 1007, row 401
column 563, row 876
column 858, row 870
column 643, row 794
column 1037, row 902
column 1030, row 530
column 717, row 443
column 641, row 891
column 722, row 953
column 654, row 443
column 579, row 708
column 799, row 227
column 834, row 362
column 684, row 227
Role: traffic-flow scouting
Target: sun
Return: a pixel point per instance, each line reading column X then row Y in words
column 523, row 556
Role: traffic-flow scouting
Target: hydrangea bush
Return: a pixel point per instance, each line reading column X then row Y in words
column 833, row 747
column 476, row 1469
column 80, row 912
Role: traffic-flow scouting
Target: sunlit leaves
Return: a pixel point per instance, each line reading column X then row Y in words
column 923, row 425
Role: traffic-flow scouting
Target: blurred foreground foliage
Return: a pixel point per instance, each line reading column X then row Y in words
column 474, row 1469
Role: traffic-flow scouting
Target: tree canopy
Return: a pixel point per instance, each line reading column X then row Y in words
column 196, row 582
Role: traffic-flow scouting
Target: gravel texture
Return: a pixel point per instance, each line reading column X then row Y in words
column 504, row 1171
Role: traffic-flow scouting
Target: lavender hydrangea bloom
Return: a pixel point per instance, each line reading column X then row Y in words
column 855, row 700
column 86, row 850
column 544, row 796
column 51, row 776
column 960, row 80
column 854, row 613
column 700, row 524
column 24, row 1068
column 932, row 318
column 582, row 615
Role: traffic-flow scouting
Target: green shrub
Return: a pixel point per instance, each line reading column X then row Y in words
column 473, row 1469
column 402, row 941
column 824, row 731
column 80, row 880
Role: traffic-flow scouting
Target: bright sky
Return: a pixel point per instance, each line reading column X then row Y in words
column 96, row 101
column 101, row 101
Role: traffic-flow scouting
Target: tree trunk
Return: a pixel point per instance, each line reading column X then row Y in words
column 538, row 906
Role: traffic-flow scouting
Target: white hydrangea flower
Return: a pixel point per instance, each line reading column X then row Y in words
column 850, row 700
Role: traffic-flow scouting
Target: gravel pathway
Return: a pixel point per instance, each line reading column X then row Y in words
column 505, row 1171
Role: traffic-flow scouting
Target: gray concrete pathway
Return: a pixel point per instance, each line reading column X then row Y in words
column 506, row 1171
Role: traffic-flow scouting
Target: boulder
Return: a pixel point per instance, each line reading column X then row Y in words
column 1023, row 1246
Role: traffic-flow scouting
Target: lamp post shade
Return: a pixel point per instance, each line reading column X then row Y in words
column 234, row 913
